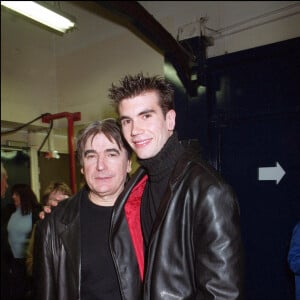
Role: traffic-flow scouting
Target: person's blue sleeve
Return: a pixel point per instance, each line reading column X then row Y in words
column 294, row 251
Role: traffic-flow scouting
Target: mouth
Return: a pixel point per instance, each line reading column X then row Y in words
column 141, row 143
column 106, row 177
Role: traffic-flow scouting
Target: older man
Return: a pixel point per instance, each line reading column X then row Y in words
column 79, row 253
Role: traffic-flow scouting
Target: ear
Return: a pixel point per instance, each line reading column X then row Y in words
column 81, row 171
column 170, row 119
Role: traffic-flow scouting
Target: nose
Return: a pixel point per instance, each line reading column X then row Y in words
column 136, row 129
column 100, row 163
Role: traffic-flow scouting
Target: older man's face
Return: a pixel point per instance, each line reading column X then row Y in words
column 105, row 168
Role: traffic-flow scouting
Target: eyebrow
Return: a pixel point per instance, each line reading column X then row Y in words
column 112, row 150
column 147, row 111
column 85, row 153
column 109, row 150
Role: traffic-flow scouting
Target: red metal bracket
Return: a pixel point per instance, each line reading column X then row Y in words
column 71, row 117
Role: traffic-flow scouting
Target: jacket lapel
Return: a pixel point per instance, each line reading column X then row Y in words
column 176, row 176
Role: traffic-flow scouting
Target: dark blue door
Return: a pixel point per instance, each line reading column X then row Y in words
column 257, row 133
column 249, row 122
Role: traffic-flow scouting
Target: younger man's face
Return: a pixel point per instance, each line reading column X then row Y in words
column 144, row 125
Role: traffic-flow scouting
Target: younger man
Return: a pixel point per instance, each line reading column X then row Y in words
column 189, row 215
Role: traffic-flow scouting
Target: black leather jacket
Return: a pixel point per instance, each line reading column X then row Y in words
column 57, row 257
column 195, row 251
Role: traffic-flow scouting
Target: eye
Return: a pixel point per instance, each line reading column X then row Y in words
column 147, row 116
column 112, row 154
column 125, row 122
column 90, row 156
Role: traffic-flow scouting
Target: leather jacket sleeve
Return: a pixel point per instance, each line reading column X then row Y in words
column 56, row 263
column 219, row 270
column 43, row 280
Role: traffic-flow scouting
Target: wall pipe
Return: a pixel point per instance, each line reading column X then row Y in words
column 71, row 117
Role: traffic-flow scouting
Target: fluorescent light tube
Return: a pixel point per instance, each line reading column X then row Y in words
column 41, row 14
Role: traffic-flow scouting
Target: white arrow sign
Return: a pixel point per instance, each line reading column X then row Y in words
column 271, row 173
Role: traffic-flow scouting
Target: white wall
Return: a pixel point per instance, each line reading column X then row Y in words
column 42, row 72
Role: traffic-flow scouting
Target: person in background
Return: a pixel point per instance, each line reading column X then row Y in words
column 189, row 215
column 6, row 255
column 55, row 191
column 4, row 184
column 19, row 228
column 294, row 258
column 79, row 252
